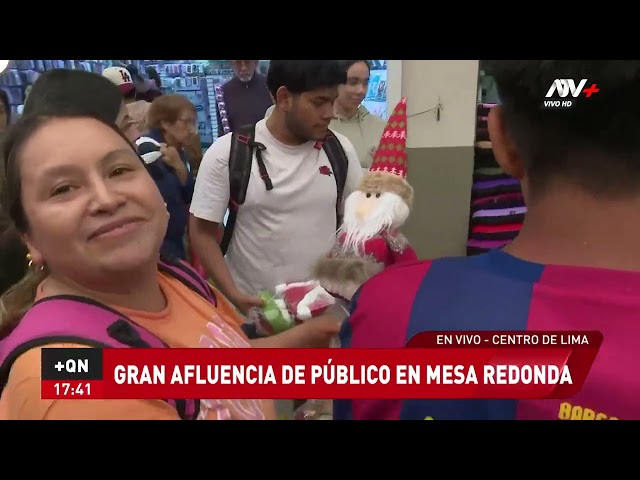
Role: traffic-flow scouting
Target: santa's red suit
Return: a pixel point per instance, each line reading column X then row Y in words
column 385, row 249
column 345, row 269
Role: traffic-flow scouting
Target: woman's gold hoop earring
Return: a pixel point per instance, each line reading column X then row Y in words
column 31, row 264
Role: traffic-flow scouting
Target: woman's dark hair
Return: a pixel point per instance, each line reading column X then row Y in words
column 4, row 98
column 152, row 73
column 13, row 254
column 349, row 63
column 15, row 302
column 13, row 262
column 73, row 92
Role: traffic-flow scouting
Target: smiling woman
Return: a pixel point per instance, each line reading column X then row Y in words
column 93, row 221
column 59, row 92
column 69, row 200
column 352, row 119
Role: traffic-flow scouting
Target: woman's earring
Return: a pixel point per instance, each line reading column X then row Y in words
column 31, row 264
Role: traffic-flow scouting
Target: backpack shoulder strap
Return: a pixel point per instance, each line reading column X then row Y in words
column 184, row 272
column 340, row 166
column 240, row 160
column 71, row 319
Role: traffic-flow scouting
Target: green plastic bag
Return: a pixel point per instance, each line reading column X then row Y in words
column 273, row 317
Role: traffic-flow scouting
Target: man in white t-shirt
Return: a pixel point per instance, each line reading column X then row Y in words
column 280, row 233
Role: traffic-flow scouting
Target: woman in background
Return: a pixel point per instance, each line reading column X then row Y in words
column 172, row 122
column 154, row 80
column 352, row 119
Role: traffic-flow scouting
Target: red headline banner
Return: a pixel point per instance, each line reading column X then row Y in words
column 435, row 365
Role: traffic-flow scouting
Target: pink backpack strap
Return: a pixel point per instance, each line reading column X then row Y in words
column 71, row 319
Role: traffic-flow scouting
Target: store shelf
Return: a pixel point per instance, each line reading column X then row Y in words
column 194, row 79
column 376, row 99
column 22, row 73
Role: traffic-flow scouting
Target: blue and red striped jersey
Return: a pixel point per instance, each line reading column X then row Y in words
column 496, row 291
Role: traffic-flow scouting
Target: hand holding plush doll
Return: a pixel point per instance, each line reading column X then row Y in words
column 292, row 304
column 369, row 239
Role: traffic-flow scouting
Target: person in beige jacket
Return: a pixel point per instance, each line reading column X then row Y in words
column 352, row 119
column 138, row 109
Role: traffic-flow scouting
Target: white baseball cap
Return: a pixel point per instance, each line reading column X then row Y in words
column 121, row 77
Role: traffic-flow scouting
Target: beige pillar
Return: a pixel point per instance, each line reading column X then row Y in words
column 440, row 151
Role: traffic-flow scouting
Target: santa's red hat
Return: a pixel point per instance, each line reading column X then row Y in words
column 391, row 156
column 388, row 172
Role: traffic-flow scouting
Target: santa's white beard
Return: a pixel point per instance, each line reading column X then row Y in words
column 390, row 212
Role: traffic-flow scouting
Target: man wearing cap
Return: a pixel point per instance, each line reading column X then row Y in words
column 137, row 108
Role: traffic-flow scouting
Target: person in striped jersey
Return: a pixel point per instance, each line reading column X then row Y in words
column 574, row 266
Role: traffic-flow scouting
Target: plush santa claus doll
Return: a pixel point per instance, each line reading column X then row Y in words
column 369, row 239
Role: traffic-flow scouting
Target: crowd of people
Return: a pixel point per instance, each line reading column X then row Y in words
column 110, row 206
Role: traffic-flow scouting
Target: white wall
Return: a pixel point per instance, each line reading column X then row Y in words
column 440, row 152
column 394, row 84
column 453, row 83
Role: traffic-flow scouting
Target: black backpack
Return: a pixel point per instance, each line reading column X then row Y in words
column 241, row 159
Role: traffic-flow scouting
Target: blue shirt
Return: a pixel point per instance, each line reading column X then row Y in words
column 176, row 196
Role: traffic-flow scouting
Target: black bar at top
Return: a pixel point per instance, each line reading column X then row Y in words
column 71, row 364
